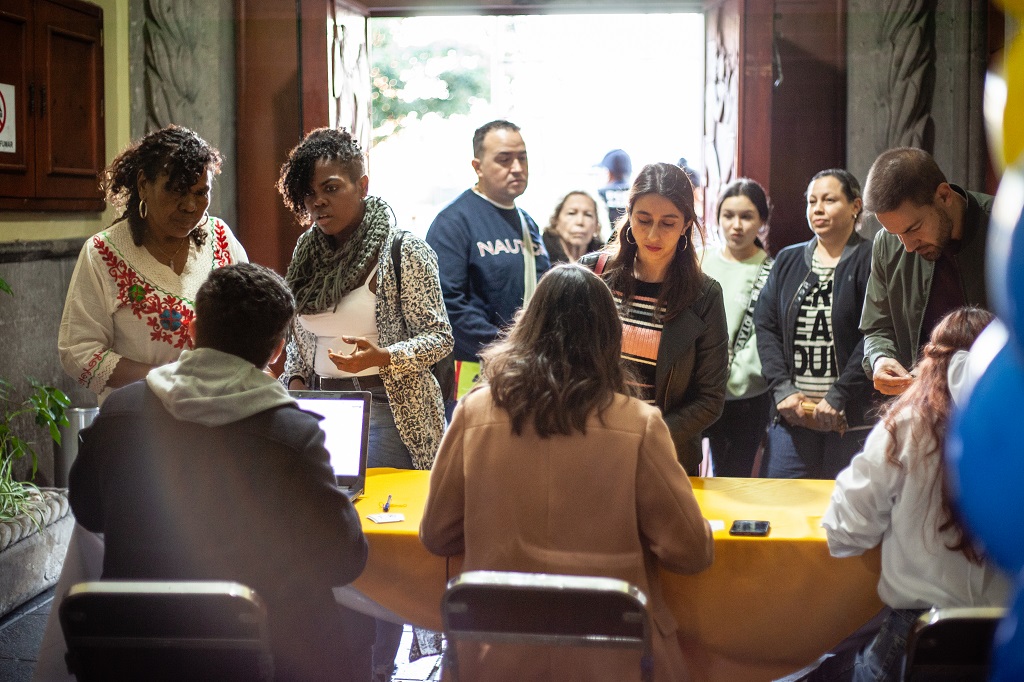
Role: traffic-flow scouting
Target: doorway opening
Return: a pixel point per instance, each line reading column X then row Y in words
column 578, row 86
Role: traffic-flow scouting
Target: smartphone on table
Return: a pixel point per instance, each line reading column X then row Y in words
column 750, row 528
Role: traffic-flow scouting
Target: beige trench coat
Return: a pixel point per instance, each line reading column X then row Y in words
column 614, row 502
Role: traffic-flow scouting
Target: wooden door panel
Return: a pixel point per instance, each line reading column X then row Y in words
column 70, row 137
column 16, row 170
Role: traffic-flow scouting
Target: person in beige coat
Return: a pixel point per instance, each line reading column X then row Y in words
column 550, row 467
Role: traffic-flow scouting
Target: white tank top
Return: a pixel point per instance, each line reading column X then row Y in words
column 355, row 316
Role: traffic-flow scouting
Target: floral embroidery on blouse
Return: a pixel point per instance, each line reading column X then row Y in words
column 168, row 317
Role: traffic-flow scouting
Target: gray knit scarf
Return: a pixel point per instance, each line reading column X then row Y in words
column 320, row 275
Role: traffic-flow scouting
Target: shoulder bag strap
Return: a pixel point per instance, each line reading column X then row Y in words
column 746, row 328
column 602, row 260
column 396, row 263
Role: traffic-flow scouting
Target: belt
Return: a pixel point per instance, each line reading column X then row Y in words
column 346, row 383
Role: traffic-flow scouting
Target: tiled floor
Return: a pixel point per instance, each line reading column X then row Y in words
column 21, row 633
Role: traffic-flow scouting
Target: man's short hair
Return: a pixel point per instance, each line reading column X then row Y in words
column 899, row 175
column 481, row 133
column 243, row 309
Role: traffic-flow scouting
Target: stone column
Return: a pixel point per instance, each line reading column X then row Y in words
column 182, row 70
column 916, row 75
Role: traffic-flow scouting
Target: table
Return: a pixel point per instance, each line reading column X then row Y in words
column 766, row 607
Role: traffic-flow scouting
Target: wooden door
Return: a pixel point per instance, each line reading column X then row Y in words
column 302, row 86
column 17, row 167
column 68, row 67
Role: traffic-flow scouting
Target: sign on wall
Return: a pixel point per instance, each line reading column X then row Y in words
column 7, row 127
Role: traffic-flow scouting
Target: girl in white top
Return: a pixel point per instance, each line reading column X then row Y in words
column 894, row 493
column 741, row 266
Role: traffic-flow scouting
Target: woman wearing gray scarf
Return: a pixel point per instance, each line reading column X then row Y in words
column 351, row 331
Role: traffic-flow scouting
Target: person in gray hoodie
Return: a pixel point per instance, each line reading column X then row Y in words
column 208, row 470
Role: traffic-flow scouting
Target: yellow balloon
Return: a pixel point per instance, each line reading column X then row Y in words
column 1013, row 115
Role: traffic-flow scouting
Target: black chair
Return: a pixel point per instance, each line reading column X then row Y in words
column 952, row 645
column 537, row 608
column 122, row 630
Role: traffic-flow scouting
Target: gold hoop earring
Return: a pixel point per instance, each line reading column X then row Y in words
column 206, row 219
column 627, row 233
column 685, row 242
column 143, row 209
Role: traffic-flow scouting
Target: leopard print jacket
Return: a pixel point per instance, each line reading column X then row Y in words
column 415, row 331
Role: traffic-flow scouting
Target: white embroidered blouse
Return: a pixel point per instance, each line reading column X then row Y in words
column 122, row 302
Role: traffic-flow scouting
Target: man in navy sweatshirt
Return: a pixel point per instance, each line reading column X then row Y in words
column 489, row 252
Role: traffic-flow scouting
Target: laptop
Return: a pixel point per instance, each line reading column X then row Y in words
column 346, row 427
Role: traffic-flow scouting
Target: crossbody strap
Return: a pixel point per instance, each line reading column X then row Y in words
column 529, row 261
column 396, row 263
column 746, row 328
column 602, row 260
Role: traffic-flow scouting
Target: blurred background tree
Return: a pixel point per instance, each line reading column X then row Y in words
column 411, row 80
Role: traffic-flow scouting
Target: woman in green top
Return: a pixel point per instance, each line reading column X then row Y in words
column 741, row 266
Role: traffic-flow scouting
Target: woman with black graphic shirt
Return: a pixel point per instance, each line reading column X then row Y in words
column 808, row 337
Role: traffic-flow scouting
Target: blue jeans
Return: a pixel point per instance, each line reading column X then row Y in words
column 883, row 659
column 796, row 452
column 386, row 446
column 386, row 450
column 737, row 434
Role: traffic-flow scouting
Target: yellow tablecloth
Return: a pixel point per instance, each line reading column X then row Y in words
column 767, row 606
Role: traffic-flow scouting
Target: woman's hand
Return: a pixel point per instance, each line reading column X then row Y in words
column 829, row 418
column 791, row 409
column 365, row 355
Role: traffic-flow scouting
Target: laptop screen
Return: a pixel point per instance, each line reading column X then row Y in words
column 346, row 427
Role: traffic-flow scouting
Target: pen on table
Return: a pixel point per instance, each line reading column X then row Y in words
column 387, row 504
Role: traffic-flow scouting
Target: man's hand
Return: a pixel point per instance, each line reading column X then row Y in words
column 365, row 355
column 829, row 418
column 890, row 377
column 791, row 409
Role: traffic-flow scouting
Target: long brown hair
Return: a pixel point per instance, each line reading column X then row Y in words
column 684, row 278
column 929, row 398
column 560, row 361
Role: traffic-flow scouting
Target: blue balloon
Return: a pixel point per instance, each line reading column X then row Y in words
column 1008, row 659
column 986, row 458
column 1004, row 263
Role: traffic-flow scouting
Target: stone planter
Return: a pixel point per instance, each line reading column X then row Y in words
column 30, row 558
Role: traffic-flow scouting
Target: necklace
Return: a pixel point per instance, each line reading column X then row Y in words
column 170, row 259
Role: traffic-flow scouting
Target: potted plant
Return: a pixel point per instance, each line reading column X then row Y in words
column 30, row 554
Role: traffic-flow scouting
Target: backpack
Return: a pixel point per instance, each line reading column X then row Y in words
column 444, row 369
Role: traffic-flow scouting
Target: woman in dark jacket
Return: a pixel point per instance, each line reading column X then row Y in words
column 572, row 229
column 809, row 340
column 675, row 338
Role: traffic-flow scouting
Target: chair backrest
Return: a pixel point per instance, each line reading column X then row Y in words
column 952, row 644
column 128, row 630
column 537, row 608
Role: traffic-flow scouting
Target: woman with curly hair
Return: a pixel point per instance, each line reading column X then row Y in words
column 606, row 493
column 675, row 336
column 895, row 493
column 131, row 299
column 369, row 312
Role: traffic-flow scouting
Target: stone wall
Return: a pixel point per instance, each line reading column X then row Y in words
column 182, row 70
column 916, row 73
column 39, row 273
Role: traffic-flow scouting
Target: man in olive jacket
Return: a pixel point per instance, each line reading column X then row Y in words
column 927, row 261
